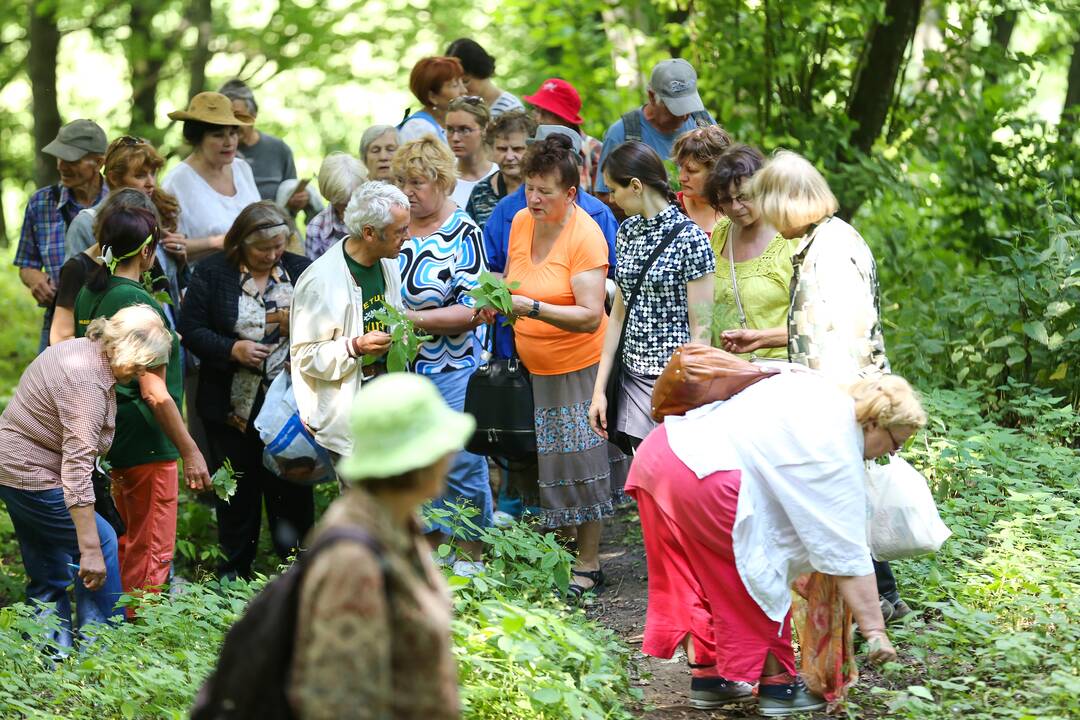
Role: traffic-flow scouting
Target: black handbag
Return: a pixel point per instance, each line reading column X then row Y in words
column 500, row 397
column 613, row 390
column 103, row 500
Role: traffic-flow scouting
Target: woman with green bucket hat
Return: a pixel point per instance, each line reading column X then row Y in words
column 364, row 614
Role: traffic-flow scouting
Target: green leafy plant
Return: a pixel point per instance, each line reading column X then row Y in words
column 494, row 292
column 224, row 480
column 161, row 296
column 405, row 339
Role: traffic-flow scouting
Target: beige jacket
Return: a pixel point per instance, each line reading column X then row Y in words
column 327, row 312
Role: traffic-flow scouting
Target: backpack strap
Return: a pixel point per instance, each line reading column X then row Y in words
column 702, row 118
column 351, row 533
column 631, row 122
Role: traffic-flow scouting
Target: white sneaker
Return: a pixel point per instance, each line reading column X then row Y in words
column 468, row 568
column 502, row 519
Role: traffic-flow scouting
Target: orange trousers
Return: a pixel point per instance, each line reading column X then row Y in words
column 146, row 496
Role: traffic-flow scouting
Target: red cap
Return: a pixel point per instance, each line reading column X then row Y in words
column 559, row 97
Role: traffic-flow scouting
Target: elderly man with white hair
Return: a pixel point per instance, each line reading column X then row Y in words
column 334, row 306
column 339, row 176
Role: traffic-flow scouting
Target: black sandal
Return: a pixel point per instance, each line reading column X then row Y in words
column 576, row 591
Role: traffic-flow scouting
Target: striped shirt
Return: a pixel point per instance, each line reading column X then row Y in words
column 48, row 213
column 505, row 103
column 438, row 271
column 60, row 418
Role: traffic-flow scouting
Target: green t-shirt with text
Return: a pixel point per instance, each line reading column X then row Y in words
column 139, row 439
column 372, row 287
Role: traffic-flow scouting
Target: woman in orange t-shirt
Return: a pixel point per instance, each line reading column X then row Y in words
column 559, row 256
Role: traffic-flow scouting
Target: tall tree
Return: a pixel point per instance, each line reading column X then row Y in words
column 1070, row 113
column 1001, row 30
column 146, row 57
column 200, row 15
column 874, row 85
column 41, row 67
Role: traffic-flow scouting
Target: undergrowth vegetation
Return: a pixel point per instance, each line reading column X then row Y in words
column 998, row 635
column 521, row 653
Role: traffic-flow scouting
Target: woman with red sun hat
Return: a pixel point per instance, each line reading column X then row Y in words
column 557, row 102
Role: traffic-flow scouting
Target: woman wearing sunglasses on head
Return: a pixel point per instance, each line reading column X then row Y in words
column 466, row 122
column 150, row 432
column 131, row 167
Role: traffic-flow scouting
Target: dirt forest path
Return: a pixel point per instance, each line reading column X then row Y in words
column 665, row 683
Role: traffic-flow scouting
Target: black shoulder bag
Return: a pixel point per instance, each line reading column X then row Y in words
column 613, row 391
column 500, row 397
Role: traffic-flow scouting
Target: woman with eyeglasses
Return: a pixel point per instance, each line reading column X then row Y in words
column 150, row 432
column 834, row 327
column 131, row 164
column 440, row 263
column 753, row 262
column 739, row 498
column 466, row 123
column 236, row 320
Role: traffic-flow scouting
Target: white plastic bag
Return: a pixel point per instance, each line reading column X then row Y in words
column 904, row 521
column 291, row 452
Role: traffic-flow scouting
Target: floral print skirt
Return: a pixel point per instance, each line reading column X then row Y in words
column 574, row 464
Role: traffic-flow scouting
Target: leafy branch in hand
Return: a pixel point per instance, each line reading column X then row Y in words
column 405, row 339
column 493, row 292
column 224, row 480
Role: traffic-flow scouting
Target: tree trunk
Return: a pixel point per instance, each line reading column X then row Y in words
column 201, row 16
column 145, row 60
column 1001, row 31
column 41, row 62
column 1070, row 113
column 875, row 81
column 677, row 16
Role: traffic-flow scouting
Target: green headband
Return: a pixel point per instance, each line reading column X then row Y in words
column 111, row 262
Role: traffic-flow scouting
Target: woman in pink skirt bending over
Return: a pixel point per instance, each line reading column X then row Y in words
column 739, row 498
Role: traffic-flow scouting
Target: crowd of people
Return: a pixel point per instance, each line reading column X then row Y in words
column 204, row 288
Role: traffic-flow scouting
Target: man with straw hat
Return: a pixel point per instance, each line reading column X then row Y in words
column 79, row 149
column 373, row 626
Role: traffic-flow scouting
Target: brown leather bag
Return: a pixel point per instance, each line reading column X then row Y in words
column 697, row 375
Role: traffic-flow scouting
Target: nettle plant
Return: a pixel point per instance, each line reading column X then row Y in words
column 521, row 652
column 1016, row 318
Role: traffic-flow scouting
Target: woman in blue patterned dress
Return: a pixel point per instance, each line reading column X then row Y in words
column 440, row 263
column 674, row 306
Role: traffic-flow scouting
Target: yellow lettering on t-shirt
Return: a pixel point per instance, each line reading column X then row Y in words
column 371, row 305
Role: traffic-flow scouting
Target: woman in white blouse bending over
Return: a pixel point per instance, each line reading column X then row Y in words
column 211, row 188
column 738, row 499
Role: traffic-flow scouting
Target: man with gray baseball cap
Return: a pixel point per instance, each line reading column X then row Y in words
column 674, row 107
column 79, row 149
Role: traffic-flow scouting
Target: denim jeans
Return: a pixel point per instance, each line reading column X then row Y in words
column 467, row 480
column 48, row 543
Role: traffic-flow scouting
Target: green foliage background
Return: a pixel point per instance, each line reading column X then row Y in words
column 968, row 197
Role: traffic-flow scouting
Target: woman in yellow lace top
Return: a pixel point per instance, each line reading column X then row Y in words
column 762, row 264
